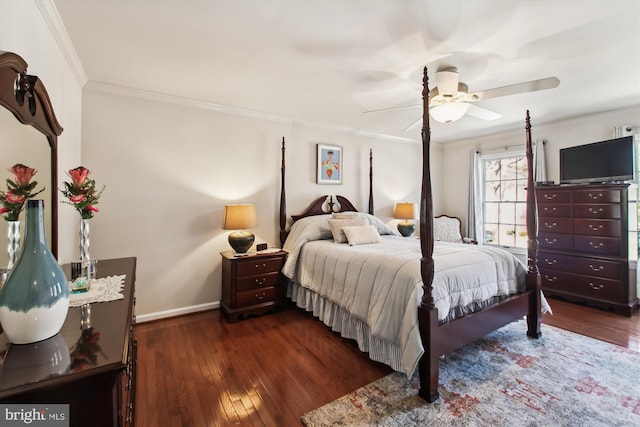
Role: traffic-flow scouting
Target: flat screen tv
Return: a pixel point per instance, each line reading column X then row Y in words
column 604, row 161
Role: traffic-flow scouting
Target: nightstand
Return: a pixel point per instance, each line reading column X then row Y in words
column 251, row 284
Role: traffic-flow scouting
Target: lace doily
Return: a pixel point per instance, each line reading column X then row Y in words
column 102, row 290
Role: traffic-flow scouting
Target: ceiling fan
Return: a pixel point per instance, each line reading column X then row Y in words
column 450, row 99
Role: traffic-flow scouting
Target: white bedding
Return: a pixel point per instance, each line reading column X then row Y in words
column 379, row 285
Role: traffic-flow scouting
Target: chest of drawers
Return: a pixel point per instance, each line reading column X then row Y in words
column 583, row 245
column 252, row 284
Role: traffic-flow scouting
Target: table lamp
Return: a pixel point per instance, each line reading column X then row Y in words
column 406, row 212
column 239, row 218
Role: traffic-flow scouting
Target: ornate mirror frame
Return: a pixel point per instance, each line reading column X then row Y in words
column 26, row 97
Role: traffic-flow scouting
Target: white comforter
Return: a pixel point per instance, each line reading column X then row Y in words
column 380, row 284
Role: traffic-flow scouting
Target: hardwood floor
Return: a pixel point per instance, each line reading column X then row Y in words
column 198, row 370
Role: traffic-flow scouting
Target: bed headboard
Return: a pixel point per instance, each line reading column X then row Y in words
column 322, row 205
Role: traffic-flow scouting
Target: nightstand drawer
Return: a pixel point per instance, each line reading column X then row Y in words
column 258, row 282
column 251, row 267
column 247, row 298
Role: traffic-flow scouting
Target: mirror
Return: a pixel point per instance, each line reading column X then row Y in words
column 26, row 102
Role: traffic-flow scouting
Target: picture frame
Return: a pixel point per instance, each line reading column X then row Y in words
column 329, row 164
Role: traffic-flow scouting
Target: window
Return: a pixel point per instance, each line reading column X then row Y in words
column 504, row 200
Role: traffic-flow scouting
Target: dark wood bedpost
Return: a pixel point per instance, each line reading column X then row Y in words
column 283, row 201
column 427, row 313
column 534, row 282
column 370, row 181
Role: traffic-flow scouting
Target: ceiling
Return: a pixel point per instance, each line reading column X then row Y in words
column 326, row 62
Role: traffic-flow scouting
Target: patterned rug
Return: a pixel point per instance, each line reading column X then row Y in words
column 506, row 379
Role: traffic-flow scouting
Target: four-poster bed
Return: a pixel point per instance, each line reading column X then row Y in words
column 444, row 320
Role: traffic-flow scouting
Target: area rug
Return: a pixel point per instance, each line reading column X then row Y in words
column 506, row 379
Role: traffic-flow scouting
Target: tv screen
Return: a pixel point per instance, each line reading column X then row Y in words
column 604, row 161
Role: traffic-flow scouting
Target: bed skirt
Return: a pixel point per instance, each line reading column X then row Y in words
column 340, row 321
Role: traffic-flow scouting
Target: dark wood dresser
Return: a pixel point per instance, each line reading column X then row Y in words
column 91, row 369
column 251, row 284
column 584, row 245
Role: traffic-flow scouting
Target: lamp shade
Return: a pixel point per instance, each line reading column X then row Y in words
column 405, row 211
column 239, row 217
column 449, row 112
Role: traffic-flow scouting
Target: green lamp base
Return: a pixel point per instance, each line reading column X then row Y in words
column 241, row 241
column 406, row 229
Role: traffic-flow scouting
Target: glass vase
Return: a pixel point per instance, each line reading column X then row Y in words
column 34, row 300
column 88, row 267
column 13, row 242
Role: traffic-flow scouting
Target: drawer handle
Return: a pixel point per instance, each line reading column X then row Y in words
column 596, row 227
column 261, row 296
column 550, row 241
column 260, row 281
column 547, row 209
column 550, row 261
column 261, row 267
column 550, row 278
column 598, row 268
column 596, row 211
column 550, row 196
column 596, row 197
column 596, row 245
column 596, row 287
column 552, row 225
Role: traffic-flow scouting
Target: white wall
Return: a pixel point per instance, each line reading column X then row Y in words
column 170, row 168
column 30, row 29
column 566, row 133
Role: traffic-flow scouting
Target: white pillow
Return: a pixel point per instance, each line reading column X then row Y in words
column 336, row 226
column 361, row 235
column 344, row 215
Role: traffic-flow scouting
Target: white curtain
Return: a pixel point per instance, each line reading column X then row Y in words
column 474, row 214
column 539, row 161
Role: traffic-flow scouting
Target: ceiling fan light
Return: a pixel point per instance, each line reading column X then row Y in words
column 450, row 112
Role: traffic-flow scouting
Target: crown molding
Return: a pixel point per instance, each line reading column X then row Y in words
column 58, row 30
column 244, row 112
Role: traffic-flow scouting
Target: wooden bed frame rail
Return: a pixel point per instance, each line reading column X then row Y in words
column 438, row 338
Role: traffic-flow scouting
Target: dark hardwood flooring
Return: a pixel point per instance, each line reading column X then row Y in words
column 199, row 370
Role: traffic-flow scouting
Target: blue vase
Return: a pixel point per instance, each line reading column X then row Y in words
column 35, row 298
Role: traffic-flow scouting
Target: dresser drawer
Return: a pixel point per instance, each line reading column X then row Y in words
column 584, row 286
column 598, row 227
column 555, row 241
column 246, row 298
column 553, row 195
column 614, row 270
column 258, row 282
column 598, row 245
column 597, row 211
column 554, row 210
column 596, row 196
column 554, row 225
column 259, row 266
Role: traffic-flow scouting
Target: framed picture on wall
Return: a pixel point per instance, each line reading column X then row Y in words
column 329, row 164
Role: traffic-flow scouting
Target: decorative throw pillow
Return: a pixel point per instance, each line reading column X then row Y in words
column 345, row 215
column 337, row 224
column 361, row 235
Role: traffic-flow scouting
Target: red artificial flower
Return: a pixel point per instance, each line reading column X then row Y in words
column 14, row 198
column 22, row 173
column 77, row 198
column 92, row 208
column 79, row 175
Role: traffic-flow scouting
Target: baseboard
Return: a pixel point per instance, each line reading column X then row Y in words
column 141, row 318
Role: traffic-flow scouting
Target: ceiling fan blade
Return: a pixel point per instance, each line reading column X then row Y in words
column 393, row 108
column 413, row 125
column 531, row 86
column 482, row 113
